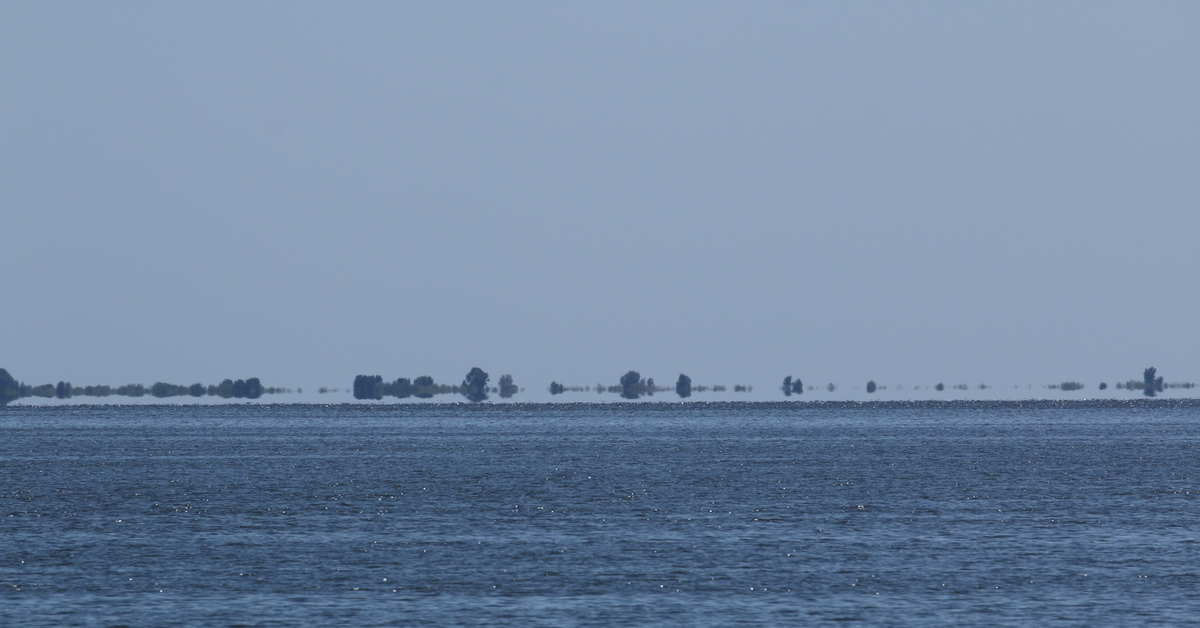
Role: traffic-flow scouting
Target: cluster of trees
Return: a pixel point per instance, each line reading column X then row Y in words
column 252, row 388
column 474, row 387
column 633, row 386
column 683, row 386
column 507, row 388
column 1151, row 384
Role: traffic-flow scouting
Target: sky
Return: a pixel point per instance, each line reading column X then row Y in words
column 986, row 192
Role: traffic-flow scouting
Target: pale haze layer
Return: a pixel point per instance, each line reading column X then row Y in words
column 1003, row 193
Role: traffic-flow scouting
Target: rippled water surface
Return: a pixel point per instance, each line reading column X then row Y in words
column 1000, row 513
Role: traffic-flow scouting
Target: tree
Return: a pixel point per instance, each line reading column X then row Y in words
column 97, row 391
column 402, row 388
column 556, row 388
column 63, row 390
column 631, row 385
column 507, row 388
column 163, row 389
column 871, row 386
column 797, row 386
column 254, row 388
column 45, row 390
column 10, row 390
column 683, row 387
column 474, row 386
column 130, row 390
column 423, row 387
column 1151, row 384
column 365, row 387
column 196, row 390
column 787, row 386
column 940, row 386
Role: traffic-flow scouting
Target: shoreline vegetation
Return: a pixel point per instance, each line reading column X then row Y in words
column 475, row 388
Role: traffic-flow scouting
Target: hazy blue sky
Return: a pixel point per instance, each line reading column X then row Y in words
column 911, row 192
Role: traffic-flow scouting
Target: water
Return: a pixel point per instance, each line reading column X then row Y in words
column 987, row 513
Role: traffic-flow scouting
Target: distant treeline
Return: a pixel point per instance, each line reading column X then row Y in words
column 1150, row 385
column 11, row 390
column 633, row 386
column 474, row 387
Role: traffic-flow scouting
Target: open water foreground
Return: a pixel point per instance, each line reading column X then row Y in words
column 900, row 514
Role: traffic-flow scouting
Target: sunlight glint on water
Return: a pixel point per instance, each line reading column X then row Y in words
column 1003, row 513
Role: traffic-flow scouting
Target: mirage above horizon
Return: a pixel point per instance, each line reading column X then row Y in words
column 475, row 388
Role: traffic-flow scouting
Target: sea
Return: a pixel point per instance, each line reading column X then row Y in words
column 988, row 513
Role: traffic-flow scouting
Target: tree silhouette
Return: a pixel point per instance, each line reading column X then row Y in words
column 364, row 386
column 507, row 387
column 631, row 387
column 1151, row 385
column 254, row 388
column 871, row 386
column 10, row 389
column 63, row 390
column 423, row 387
column 163, row 389
column 474, row 386
column 131, row 390
column 401, row 388
column 45, row 390
column 787, row 386
column 556, row 388
column 97, row 391
column 683, row 387
column 940, row 386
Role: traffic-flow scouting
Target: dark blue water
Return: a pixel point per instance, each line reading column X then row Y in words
column 992, row 513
